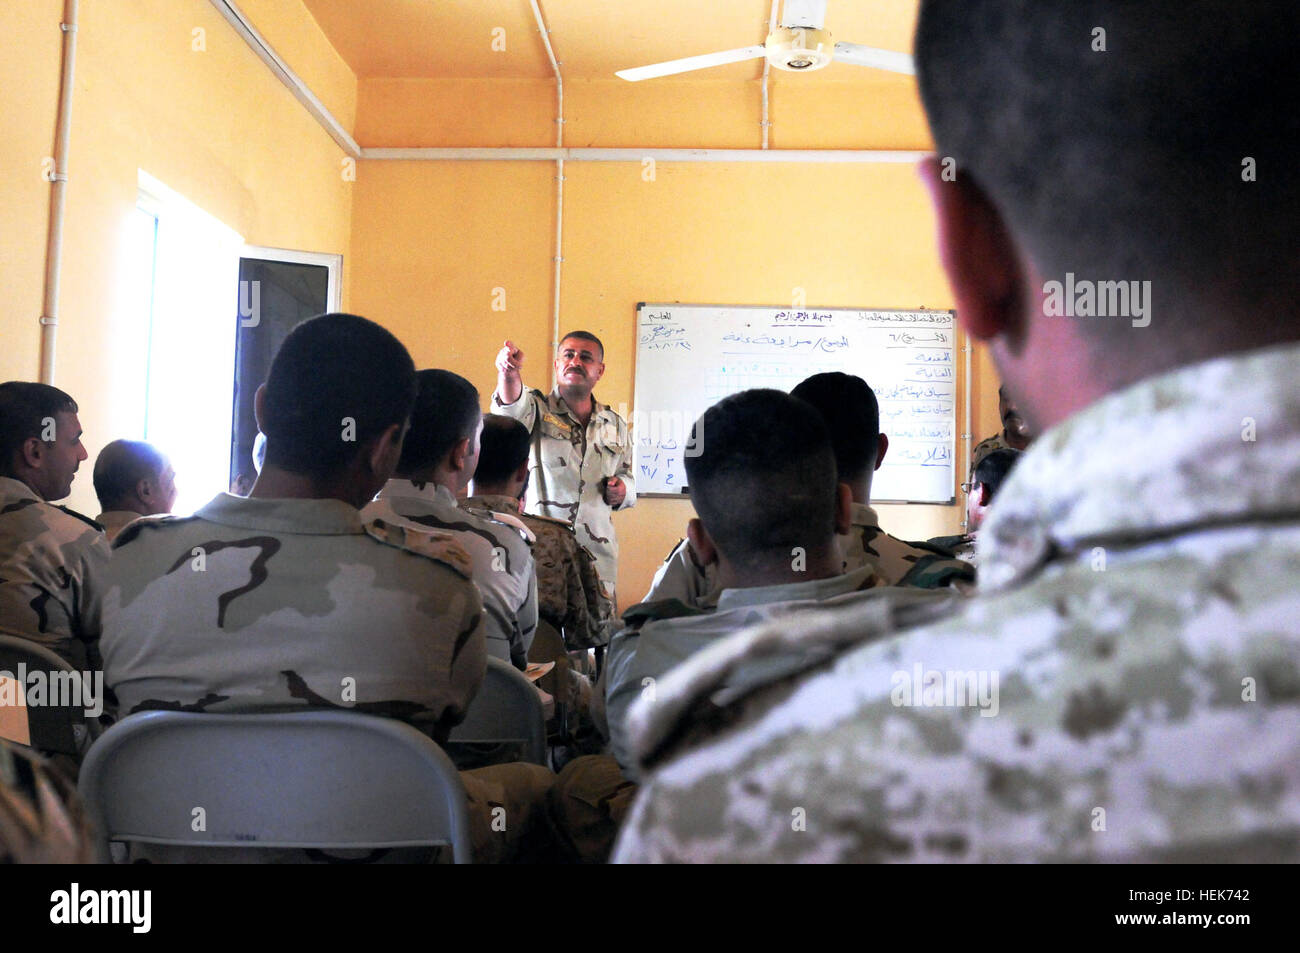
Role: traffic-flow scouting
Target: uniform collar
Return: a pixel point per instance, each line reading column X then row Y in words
column 813, row 589
column 427, row 492
column 1209, row 444
column 307, row 517
column 17, row 489
column 860, row 514
column 557, row 405
column 496, row 502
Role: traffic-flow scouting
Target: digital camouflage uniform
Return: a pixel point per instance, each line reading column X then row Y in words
column 896, row 563
column 266, row 605
column 502, row 563
column 41, row 817
column 1141, row 613
column 568, row 466
column 52, row 563
column 570, row 595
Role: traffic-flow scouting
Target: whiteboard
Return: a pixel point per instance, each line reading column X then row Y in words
column 691, row 356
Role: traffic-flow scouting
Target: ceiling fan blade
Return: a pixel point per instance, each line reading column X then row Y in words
column 876, row 59
column 689, row 63
column 810, row 14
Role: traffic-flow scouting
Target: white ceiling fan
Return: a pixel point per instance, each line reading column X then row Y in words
column 799, row 44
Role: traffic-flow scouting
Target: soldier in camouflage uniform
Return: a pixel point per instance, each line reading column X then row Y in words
column 582, row 452
column 1123, row 687
column 51, row 558
column 852, row 414
column 289, row 600
column 439, row 456
column 570, row 595
column 1014, row 435
column 41, row 818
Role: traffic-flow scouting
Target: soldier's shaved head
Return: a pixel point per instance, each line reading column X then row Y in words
column 503, row 449
column 446, row 412
column 337, row 382
column 852, row 415
column 764, row 482
column 120, row 467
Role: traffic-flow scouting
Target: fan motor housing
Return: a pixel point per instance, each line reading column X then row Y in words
column 799, row 50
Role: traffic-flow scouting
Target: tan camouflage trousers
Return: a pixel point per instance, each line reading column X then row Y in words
column 588, row 802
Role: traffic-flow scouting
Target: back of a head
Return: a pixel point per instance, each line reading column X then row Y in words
column 852, row 415
column 25, row 407
column 764, row 480
column 1133, row 141
column 446, row 411
column 992, row 470
column 120, row 466
column 337, row 382
column 503, row 449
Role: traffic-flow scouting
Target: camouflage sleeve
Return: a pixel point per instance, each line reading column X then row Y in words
column 626, row 467
column 468, row 660
column 681, row 578
column 621, row 690
column 936, row 571
column 527, row 613
column 90, row 598
column 41, row 819
column 524, row 410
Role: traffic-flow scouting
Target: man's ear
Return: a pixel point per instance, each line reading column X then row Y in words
column 385, row 451
column 459, row 453
column 144, row 490
column 701, row 542
column 33, row 452
column 882, row 447
column 985, row 496
column 522, row 473
column 843, row 508
column 259, row 404
column 979, row 256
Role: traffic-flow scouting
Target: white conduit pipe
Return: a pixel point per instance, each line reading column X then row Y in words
column 58, row 194
column 767, row 68
column 559, row 180
column 967, row 437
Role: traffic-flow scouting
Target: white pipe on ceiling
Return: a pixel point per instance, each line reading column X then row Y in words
column 301, row 92
column 638, row 155
column 58, row 194
column 559, row 180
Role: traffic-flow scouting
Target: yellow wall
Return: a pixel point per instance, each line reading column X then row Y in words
column 431, row 240
column 214, row 125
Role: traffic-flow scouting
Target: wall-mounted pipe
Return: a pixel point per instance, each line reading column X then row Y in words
column 559, row 180
column 638, row 155
column 244, row 27
column 767, row 68
column 58, row 194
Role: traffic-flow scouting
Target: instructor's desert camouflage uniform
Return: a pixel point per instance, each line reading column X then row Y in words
column 1141, row 613
column 501, row 560
column 297, row 604
column 51, row 567
column 896, row 563
column 570, row 595
column 568, row 466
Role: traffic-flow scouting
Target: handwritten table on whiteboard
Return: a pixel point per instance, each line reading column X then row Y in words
column 691, row 356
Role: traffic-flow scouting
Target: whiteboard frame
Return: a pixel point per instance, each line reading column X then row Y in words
column 685, row 493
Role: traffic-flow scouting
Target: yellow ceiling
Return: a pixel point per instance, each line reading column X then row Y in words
column 592, row 38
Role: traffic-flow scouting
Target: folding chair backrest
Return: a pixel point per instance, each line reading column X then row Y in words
column 325, row 780
column 52, row 728
column 507, row 708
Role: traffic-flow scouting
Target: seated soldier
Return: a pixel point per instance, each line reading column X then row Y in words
column 993, row 468
column 769, row 508
column 1122, row 688
column 51, row 558
column 569, row 592
column 132, row 479
column 852, row 415
column 438, row 460
column 288, row 599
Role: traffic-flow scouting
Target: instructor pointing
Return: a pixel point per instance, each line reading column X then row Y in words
column 580, row 466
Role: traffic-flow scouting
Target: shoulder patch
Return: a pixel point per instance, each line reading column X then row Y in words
column 136, row 527
column 81, row 516
column 434, row 544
